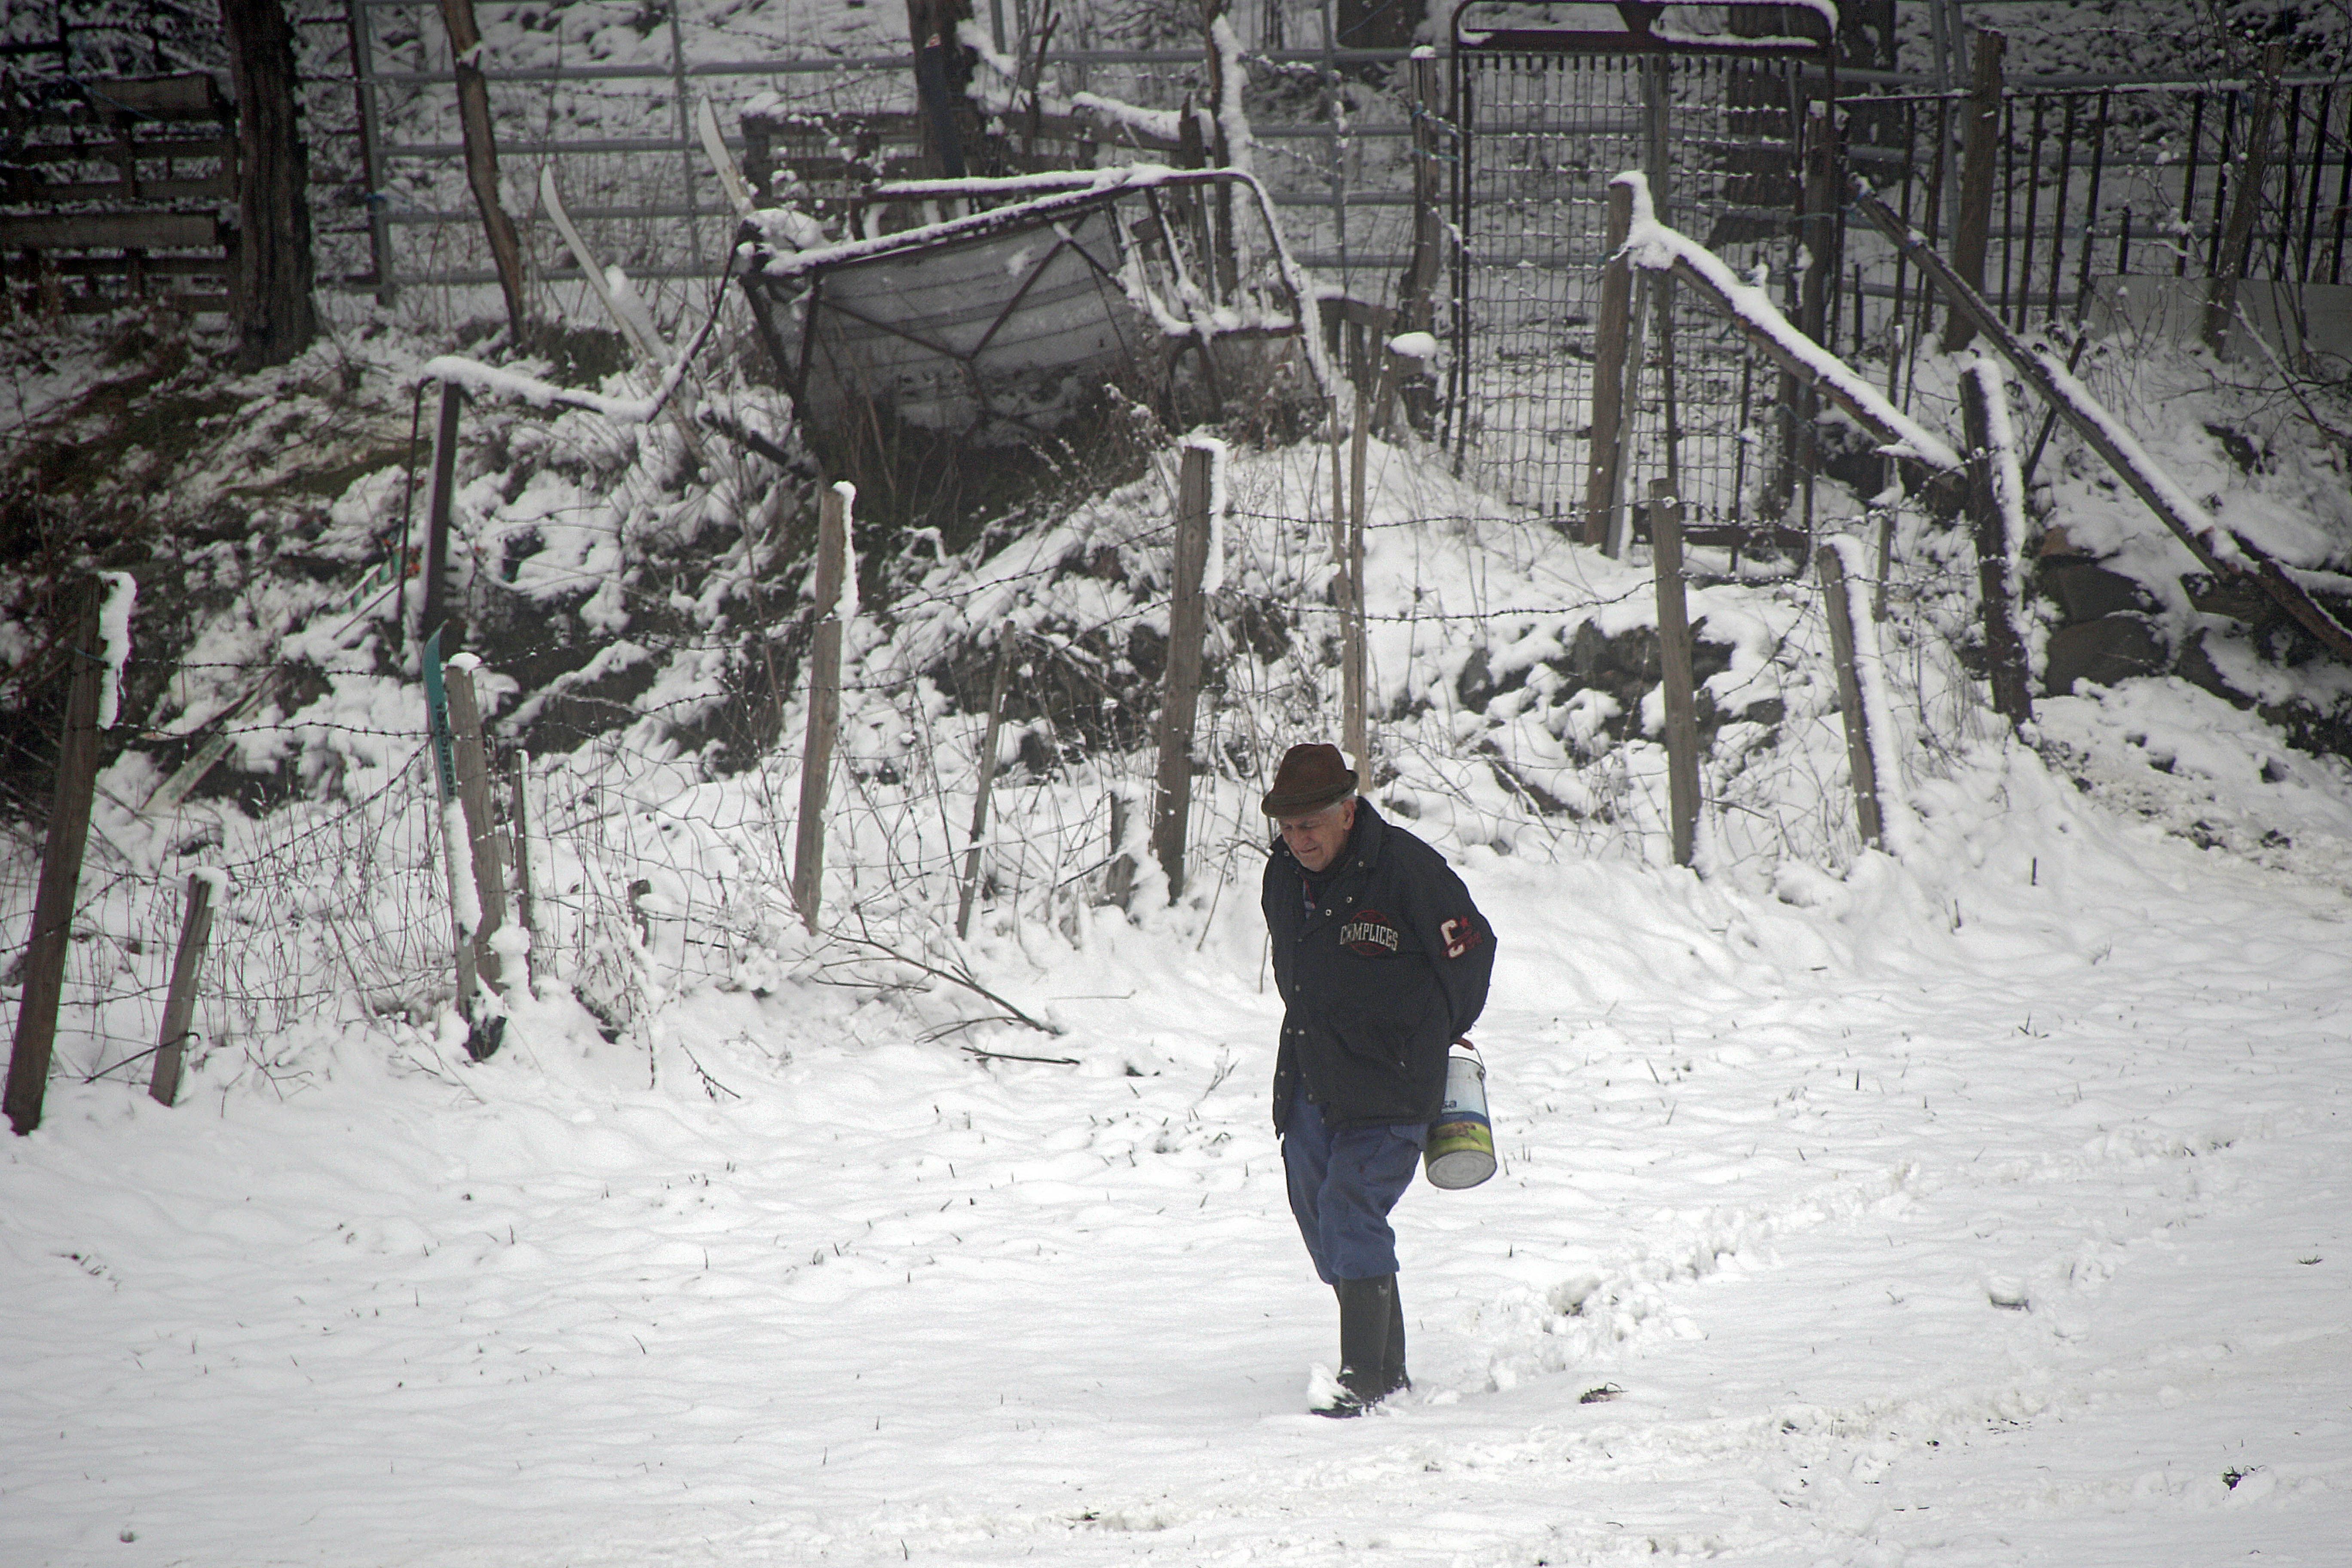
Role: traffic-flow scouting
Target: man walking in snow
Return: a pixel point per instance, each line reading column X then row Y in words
column 1383, row 961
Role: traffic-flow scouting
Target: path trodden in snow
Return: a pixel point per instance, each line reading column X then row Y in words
column 1992, row 1212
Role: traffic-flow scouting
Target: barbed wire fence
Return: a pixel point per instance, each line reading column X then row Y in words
column 651, row 874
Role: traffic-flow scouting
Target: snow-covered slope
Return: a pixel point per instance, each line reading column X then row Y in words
column 1974, row 1210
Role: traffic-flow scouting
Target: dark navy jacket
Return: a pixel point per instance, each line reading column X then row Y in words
column 1387, row 968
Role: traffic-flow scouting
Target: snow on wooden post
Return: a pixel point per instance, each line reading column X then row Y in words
column 1980, row 143
column 1187, row 619
column 1608, row 349
column 1675, row 668
column 489, row 877
column 482, row 155
column 2224, row 553
column 180, row 1002
column 1996, row 512
column 45, row 953
column 2245, row 204
column 834, row 583
column 987, row 768
column 1860, row 758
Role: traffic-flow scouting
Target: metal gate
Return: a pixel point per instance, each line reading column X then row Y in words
column 1547, row 117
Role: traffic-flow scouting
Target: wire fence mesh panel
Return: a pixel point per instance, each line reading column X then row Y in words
column 1542, row 134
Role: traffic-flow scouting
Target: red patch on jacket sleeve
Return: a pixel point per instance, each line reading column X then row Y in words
column 1461, row 934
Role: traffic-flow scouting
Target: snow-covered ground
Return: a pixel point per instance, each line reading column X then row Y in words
column 1981, row 1209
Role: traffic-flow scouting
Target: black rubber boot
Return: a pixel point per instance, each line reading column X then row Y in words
column 1365, row 1308
column 1393, row 1378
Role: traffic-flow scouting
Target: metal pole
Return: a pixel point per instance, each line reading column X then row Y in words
column 685, row 131
column 361, row 24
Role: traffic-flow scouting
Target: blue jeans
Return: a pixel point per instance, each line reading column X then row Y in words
column 1343, row 1183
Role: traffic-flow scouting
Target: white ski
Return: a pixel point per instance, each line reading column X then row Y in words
column 739, row 190
column 656, row 354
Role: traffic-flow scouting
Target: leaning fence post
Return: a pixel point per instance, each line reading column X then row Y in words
column 1980, row 142
column 1180, row 702
column 180, row 1002
column 1675, row 668
column 2245, row 203
column 824, row 698
column 987, row 777
column 438, row 507
column 482, row 155
column 45, row 953
column 1609, row 347
column 1994, row 491
column 1858, row 757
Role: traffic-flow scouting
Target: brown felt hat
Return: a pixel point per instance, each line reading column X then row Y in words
column 1311, row 776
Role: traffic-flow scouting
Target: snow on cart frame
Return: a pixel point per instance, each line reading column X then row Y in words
column 996, row 327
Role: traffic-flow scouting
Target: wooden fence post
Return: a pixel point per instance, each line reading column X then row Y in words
column 1620, row 538
column 2246, row 204
column 1608, row 349
column 1414, row 310
column 1980, row 142
column 45, row 953
column 482, row 156
column 481, row 831
column 437, row 517
column 1675, row 668
column 824, row 700
column 987, row 776
column 526, row 913
column 445, row 779
column 180, row 1002
column 2012, row 694
column 1355, row 730
column 1181, row 698
column 1860, row 759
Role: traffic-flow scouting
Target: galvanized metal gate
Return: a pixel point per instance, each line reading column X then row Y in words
column 1545, row 118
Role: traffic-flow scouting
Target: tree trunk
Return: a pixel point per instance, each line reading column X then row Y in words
column 271, row 296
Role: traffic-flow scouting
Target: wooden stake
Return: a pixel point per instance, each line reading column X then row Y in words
column 526, row 915
column 1859, row 758
column 1118, row 880
column 1354, row 726
column 2246, row 204
column 1674, row 666
column 53, row 902
column 1004, row 641
column 481, row 831
column 824, row 703
column 1608, row 349
column 180, row 1002
column 2012, row 694
column 1179, row 703
column 437, row 518
column 1979, row 143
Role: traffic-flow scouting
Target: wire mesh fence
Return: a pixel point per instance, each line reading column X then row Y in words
column 1539, row 137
